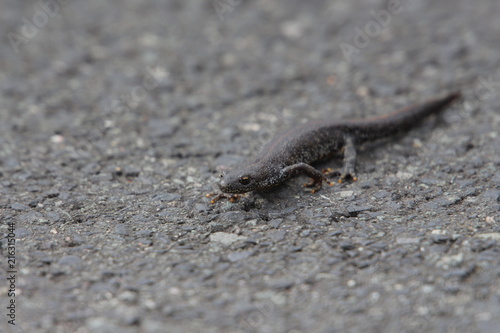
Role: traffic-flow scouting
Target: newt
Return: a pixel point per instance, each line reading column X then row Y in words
column 291, row 153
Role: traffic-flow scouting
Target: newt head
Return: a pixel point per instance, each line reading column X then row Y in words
column 246, row 179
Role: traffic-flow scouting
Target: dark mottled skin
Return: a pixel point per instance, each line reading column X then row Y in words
column 291, row 152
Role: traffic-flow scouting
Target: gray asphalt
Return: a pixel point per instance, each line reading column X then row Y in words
column 116, row 118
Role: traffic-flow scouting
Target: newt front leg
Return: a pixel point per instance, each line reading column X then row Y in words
column 302, row 168
column 218, row 196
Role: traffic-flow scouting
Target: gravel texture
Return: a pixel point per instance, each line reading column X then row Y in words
column 117, row 116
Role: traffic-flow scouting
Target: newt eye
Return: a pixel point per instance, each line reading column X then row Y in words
column 244, row 180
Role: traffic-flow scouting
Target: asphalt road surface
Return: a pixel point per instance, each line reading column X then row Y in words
column 116, row 118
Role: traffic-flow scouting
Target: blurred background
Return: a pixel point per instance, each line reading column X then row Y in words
column 115, row 117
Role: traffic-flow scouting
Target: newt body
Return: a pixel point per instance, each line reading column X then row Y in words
column 291, row 152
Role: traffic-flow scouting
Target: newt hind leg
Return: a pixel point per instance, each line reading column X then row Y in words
column 348, row 170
